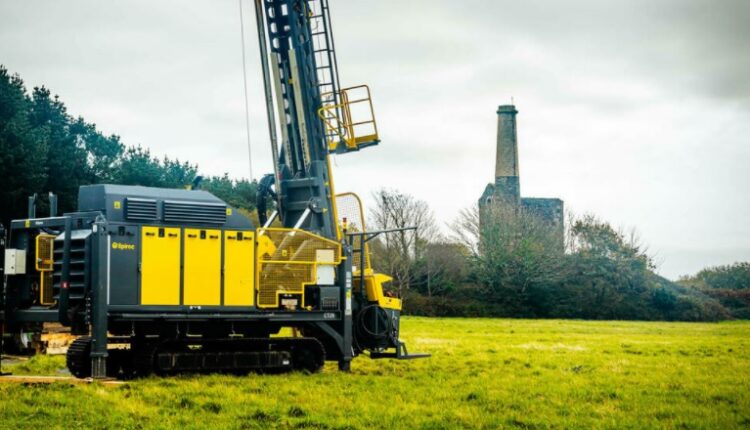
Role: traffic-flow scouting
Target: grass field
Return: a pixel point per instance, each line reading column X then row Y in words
column 485, row 373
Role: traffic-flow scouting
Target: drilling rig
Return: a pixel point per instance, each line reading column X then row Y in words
column 176, row 280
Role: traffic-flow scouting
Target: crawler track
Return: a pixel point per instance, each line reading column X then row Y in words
column 78, row 357
column 237, row 356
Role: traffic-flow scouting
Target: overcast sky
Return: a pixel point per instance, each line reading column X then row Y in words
column 635, row 110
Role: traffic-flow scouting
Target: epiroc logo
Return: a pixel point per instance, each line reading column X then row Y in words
column 123, row 246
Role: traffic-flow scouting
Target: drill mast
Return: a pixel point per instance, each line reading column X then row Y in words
column 315, row 116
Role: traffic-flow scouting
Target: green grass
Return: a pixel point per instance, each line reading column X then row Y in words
column 485, row 373
column 50, row 365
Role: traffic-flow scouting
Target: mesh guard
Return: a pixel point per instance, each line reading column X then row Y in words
column 288, row 260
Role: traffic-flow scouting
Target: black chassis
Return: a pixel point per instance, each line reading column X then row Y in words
column 97, row 318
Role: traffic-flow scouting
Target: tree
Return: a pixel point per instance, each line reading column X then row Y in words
column 23, row 148
column 42, row 148
column 138, row 167
column 238, row 193
column 610, row 273
column 66, row 154
column 611, row 276
column 441, row 268
column 729, row 284
column 516, row 258
column 395, row 252
column 102, row 152
column 731, row 277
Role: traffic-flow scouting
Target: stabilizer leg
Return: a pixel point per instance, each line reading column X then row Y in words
column 401, row 353
column 345, row 365
column 2, row 336
column 99, row 320
column 99, row 367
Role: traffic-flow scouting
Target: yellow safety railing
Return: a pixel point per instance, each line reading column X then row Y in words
column 288, row 260
column 352, row 121
column 349, row 207
column 44, row 265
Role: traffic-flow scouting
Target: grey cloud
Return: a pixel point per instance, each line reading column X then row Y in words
column 637, row 110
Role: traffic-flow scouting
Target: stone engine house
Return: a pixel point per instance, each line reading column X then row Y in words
column 505, row 192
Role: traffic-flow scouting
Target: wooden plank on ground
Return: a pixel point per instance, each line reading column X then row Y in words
column 33, row 379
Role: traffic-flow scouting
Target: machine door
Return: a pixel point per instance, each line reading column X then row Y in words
column 160, row 266
column 124, row 257
column 202, row 283
column 239, row 268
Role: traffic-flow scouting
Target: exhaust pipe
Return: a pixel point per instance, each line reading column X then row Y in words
column 52, row 205
column 31, row 211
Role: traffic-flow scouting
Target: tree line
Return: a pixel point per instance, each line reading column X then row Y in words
column 509, row 263
column 43, row 148
column 729, row 284
column 504, row 263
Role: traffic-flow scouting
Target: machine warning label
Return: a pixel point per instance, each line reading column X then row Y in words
column 123, row 246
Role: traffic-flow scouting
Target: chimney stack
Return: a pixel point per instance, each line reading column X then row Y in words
column 506, row 163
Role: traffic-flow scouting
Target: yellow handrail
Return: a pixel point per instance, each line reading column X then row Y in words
column 343, row 128
column 44, row 265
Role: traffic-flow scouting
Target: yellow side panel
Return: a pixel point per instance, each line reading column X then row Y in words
column 202, row 270
column 160, row 266
column 239, row 268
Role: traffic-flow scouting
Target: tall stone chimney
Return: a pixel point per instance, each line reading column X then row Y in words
column 507, row 183
column 505, row 193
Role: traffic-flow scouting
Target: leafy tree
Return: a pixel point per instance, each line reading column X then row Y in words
column 516, row 258
column 23, row 148
column 42, row 148
column 103, row 153
column 732, row 277
column 138, row 167
column 238, row 193
column 518, row 270
column 611, row 276
column 66, row 154
column 609, row 273
column 730, row 284
column 176, row 174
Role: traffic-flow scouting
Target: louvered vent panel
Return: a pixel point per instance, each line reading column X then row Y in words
column 140, row 209
column 197, row 213
column 80, row 259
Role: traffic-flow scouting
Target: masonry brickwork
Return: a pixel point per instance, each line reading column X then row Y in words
column 505, row 191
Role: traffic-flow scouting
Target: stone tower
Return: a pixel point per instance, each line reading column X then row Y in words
column 505, row 192
column 507, row 182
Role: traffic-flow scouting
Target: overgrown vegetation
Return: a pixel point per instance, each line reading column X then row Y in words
column 484, row 373
column 728, row 284
column 506, row 262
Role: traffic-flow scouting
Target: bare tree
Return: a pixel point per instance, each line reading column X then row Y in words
column 396, row 252
column 466, row 229
column 443, row 266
